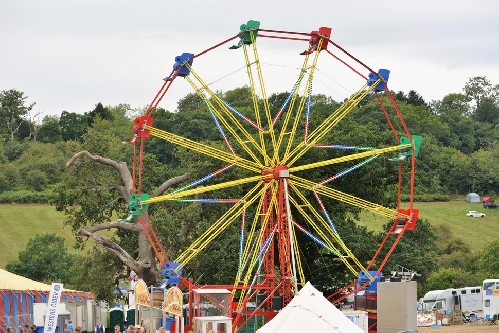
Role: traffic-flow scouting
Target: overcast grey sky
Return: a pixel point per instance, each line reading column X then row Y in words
column 70, row 55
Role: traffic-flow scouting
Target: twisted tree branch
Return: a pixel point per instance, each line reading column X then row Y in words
column 121, row 167
column 170, row 182
column 114, row 224
column 113, row 247
column 145, row 267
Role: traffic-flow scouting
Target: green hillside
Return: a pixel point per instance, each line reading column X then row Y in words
column 22, row 222
column 477, row 232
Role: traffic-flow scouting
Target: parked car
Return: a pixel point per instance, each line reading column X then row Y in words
column 474, row 213
column 487, row 199
column 489, row 205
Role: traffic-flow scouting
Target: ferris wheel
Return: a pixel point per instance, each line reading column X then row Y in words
column 270, row 144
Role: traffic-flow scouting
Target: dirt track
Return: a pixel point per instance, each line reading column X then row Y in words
column 465, row 328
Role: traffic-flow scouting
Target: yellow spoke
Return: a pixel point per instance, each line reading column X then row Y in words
column 250, row 238
column 219, row 226
column 205, row 149
column 303, row 100
column 291, row 107
column 204, row 189
column 347, row 158
column 256, row 249
column 256, row 107
column 251, row 235
column 331, row 121
column 320, row 232
column 318, row 217
column 223, row 114
column 346, row 198
column 265, row 100
column 333, row 234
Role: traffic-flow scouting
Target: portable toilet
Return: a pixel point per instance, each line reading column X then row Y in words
column 130, row 317
column 116, row 318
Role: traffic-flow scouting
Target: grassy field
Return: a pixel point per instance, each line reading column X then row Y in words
column 477, row 232
column 19, row 223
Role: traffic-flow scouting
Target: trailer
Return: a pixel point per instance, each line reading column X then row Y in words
column 463, row 301
column 491, row 299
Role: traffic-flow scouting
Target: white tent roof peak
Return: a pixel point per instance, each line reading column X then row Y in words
column 310, row 311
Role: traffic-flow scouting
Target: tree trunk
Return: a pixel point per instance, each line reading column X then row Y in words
column 145, row 265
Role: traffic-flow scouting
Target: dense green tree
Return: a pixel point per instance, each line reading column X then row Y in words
column 96, row 189
column 27, row 130
column 412, row 97
column 3, row 157
column 14, row 110
column 441, row 169
column 477, row 89
column 451, row 103
column 99, row 112
column 447, row 243
column 9, row 177
column 452, row 278
column 415, row 251
column 44, row 259
column 96, row 271
column 14, row 148
column 467, row 261
column 454, row 165
column 73, row 125
column 488, row 111
column 485, row 98
column 47, row 159
column 50, row 130
column 484, row 169
column 239, row 97
column 190, row 102
column 122, row 122
column 489, row 265
column 36, row 180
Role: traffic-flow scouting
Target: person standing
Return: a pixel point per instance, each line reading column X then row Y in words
column 69, row 327
column 100, row 328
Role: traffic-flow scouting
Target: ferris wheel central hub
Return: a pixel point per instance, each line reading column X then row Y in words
column 275, row 173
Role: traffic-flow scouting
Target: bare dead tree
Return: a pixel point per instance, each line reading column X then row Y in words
column 144, row 264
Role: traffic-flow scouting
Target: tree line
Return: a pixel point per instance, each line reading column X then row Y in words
column 459, row 154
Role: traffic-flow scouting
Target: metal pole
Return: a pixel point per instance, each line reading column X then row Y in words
column 288, row 212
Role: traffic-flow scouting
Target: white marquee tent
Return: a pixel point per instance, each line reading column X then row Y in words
column 310, row 311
